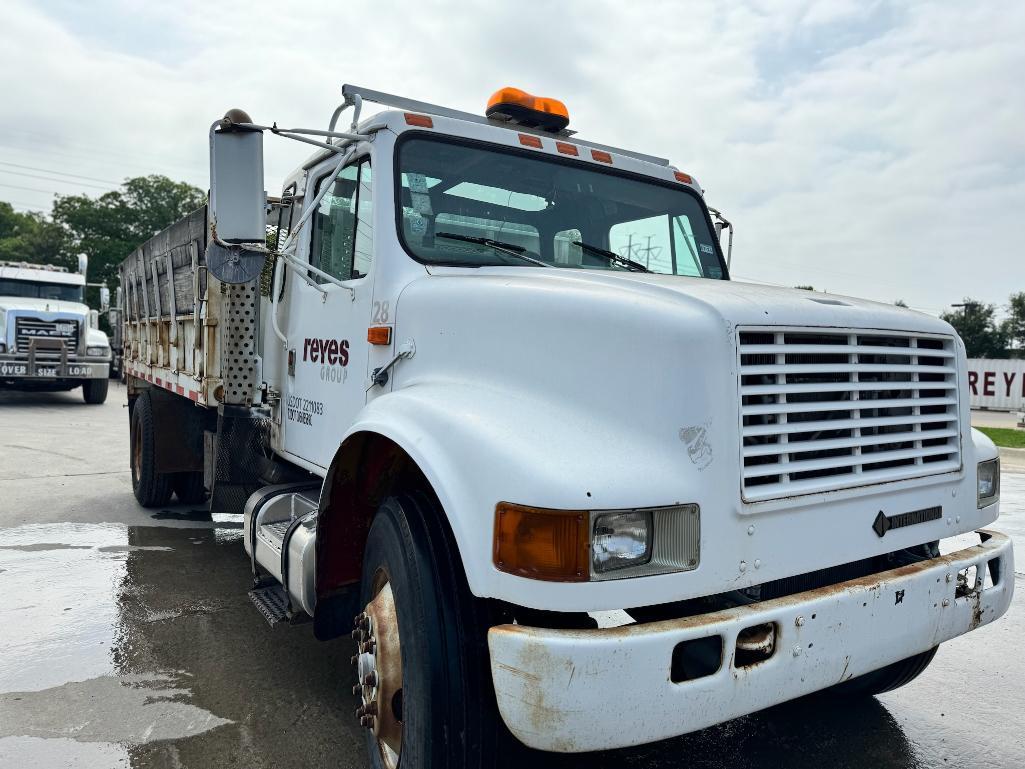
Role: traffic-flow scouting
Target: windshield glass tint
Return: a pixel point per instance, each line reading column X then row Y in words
column 60, row 291
column 542, row 207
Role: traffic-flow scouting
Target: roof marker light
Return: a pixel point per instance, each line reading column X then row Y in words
column 682, row 177
column 520, row 107
column 424, row 121
column 601, row 156
column 530, row 141
column 567, row 149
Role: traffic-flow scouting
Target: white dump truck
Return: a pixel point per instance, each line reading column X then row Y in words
column 487, row 399
column 49, row 339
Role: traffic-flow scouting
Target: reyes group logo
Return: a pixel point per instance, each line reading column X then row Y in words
column 331, row 354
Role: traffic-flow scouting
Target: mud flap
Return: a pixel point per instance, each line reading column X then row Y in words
column 235, row 475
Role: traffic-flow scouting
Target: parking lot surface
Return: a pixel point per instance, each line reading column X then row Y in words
column 127, row 639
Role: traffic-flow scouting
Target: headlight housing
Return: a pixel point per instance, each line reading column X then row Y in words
column 988, row 482
column 595, row 545
column 97, row 352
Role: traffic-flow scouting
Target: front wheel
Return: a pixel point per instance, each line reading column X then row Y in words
column 423, row 680
column 94, row 391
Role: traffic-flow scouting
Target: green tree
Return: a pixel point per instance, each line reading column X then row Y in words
column 108, row 227
column 975, row 322
column 31, row 237
column 1014, row 325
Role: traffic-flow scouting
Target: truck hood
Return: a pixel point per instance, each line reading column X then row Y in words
column 737, row 303
column 24, row 303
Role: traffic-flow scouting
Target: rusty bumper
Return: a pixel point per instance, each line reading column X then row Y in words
column 579, row 690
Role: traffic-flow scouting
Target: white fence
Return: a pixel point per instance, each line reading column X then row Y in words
column 997, row 384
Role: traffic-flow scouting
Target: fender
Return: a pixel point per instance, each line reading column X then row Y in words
column 477, row 446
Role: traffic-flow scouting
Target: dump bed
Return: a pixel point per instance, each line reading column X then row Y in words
column 182, row 329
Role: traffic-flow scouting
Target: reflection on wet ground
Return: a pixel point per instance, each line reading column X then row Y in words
column 137, row 646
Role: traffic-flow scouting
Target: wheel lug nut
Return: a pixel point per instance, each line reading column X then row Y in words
column 356, row 689
column 370, row 679
column 356, row 634
column 367, row 721
column 371, row 708
column 354, row 659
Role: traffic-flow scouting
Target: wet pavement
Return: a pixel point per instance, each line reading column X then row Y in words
column 127, row 640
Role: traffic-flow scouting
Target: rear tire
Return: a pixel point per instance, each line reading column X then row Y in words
column 94, row 391
column 885, row 679
column 152, row 489
column 445, row 703
column 188, row 487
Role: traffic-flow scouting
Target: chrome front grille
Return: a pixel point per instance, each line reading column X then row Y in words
column 826, row 410
column 27, row 329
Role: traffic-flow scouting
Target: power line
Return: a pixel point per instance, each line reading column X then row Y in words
column 56, row 173
column 60, row 181
column 31, row 189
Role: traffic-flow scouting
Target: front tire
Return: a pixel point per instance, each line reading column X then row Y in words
column 152, row 489
column 431, row 701
column 885, row 679
column 94, row 391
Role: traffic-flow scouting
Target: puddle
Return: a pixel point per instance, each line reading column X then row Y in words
column 78, row 663
column 134, row 709
column 61, row 624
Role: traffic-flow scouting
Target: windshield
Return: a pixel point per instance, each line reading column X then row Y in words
column 60, row 291
column 563, row 214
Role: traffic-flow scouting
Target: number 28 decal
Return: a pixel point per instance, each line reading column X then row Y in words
column 380, row 313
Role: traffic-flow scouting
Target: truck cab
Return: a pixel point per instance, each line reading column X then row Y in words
column 49, row 339
column 560, row 476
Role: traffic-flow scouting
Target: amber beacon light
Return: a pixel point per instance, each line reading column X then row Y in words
column 521, row 108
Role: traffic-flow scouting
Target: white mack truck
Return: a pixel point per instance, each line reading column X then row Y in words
column 488, row 400
column 49, row 339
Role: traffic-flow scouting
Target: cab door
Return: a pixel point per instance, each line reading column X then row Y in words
column 326, row 324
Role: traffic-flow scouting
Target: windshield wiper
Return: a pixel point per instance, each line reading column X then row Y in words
column 504, row 248
column 612, row 256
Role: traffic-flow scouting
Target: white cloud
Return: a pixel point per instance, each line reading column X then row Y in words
column 867, row 148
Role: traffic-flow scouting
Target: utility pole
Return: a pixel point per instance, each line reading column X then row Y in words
column 965, row 307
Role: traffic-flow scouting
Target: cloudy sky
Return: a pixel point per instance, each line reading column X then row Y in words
column 868, row 148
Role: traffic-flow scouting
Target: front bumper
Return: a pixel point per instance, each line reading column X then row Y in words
column 28, row 367
column 579, row 690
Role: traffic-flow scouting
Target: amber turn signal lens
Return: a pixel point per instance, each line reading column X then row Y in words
column 379, row 335
column 551, row 545
column 682, row 177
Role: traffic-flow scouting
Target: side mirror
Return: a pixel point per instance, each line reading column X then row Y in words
column 94, row 319
column 83, row 264
column 104, row 298
column 238, row 201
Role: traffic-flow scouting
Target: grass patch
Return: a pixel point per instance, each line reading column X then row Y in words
column 1005, row 436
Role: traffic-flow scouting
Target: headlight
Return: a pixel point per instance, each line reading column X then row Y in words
column 582, row 545
column 97, row 352
column 989, row 482
column 620, row 540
